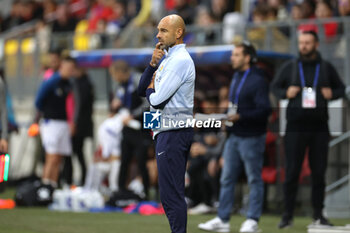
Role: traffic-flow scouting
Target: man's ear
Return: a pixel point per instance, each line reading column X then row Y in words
column 247, row 58
column 317, row 44
column 179, row 33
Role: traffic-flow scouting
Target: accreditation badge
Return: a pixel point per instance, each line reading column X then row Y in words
column 309, row 97
column 232, row 110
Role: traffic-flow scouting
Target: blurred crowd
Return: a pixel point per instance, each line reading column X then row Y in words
column 111, row 17
column 272, row 10
column 278, row 10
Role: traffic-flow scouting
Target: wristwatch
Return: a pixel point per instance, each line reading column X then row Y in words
column 154, row 65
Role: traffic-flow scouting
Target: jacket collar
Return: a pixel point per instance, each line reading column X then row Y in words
column 175, row 48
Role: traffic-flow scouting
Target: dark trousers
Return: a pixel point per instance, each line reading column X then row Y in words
column 201, row 184
column 77, row 146
column 134, row 143
column 172, row 149
column 297, row 140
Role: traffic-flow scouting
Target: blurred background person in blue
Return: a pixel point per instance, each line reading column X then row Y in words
column 54, row 128
column 248, row 112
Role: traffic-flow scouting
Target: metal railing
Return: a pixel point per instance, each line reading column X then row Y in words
column 28, row 27
column 333, row 143
column 22, row 67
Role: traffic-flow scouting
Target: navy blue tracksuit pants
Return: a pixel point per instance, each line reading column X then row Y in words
column 172, row 148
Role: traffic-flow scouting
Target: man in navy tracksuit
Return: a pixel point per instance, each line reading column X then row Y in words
column 248, row 111
column 170, row 87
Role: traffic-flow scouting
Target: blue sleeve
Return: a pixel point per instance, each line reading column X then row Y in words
column 45, row 88
column 262, row 103
column 145, row 80
column 150, row 91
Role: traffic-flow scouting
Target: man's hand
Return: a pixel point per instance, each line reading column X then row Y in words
column 158, row 53
column 116, row 104
column 327, row 93
column 127, row 119
column 213, row 167
column 151, row 85
column 233, row 118
column 3, row 145
column 73, row 129
column 292, row 92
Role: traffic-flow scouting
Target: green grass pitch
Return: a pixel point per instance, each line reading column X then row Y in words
column 42, row 220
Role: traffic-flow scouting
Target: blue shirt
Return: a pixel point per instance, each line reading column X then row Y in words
column 253, row 104
column 51, row 97
column 174, row 87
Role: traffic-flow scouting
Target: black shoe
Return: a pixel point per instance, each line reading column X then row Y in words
column 321, row 221
column 285, row 222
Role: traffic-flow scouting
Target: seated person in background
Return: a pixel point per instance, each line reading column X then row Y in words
column 324, row 10
column 203, row 164
column 257, row 35
column 108, row 163
column 296, row 12
column 205, row 21
column 223, row 99
column 344, row 10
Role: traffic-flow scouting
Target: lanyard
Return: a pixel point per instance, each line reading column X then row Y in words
column 240, row 85
column 302, row 78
